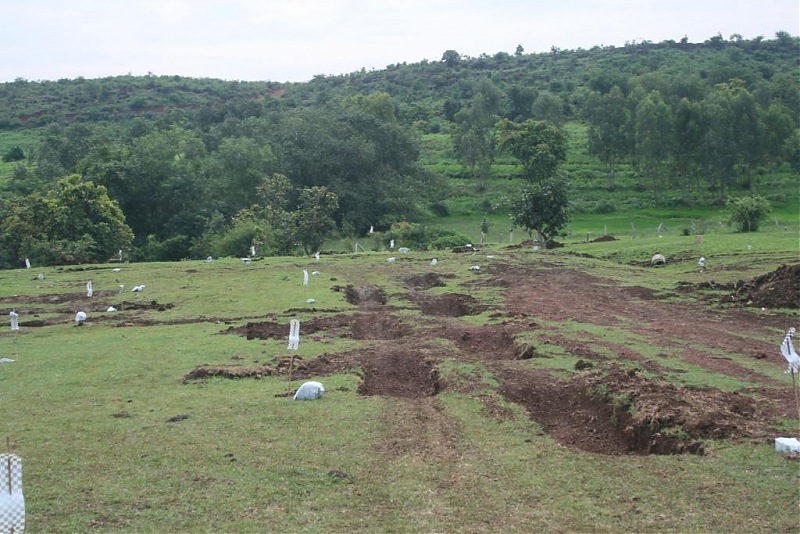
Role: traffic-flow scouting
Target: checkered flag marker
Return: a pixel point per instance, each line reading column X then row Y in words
column 788, row 352
column 12, row 503
column 294, row 334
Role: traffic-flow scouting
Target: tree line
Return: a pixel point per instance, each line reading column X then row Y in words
column 279, row 180
column 283, row 171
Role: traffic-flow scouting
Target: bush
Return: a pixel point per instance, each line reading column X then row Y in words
column 746, row 213
column 449, row 242
column 420, row 237
column 171, row 249
column 604, row 207
column 14, row 154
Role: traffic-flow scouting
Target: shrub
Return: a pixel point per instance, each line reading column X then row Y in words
column 746, row 213
column 604, row 206
column 449, row 241
column 14, row 154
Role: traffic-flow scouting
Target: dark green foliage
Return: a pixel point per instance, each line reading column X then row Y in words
column 540, row 146
column 747, row 213
column 543, row 207
column 15, row 153
column 73, row 222
column 449, row 241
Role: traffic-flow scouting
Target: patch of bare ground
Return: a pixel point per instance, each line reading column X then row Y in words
column 398, row 372
column 489, row 343
column 364, row 296
column 426, row 280
column 622, row 412
column 418, row 427
column 559, row 294
column 448, row 304
column 358, row 326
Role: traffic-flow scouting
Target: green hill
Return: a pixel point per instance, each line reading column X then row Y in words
column 192, row 162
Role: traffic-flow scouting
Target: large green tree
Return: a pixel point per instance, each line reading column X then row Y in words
column 75, row 221
column 653, row 128
column 540, row 146
column 473, row 137
column 609, row 130
column 542, row 207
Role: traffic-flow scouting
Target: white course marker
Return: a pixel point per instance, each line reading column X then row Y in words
column 12, row 502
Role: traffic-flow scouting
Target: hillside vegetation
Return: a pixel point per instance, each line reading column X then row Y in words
column 199, row 166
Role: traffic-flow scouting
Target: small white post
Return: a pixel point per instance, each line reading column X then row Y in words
column 12, row 501
column 294, row 343
column 89, row 290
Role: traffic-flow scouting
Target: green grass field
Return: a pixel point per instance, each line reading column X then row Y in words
column 113, row 441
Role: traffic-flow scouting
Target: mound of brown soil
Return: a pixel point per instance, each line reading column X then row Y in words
column 621, row 412
column 603, row 238
column 778, row 289
column 365, row 296
column 447, row 305
column 426, row 281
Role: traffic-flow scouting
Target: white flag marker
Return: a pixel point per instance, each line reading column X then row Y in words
column 14, row 316
column 89, row 290
column 294, row 334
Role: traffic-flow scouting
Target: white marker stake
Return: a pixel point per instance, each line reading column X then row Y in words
column 12, row 502
column 305, row 277
column 391, row 244
column 27, row 263
column 294, row 334
column 294, row 343
column 89, row 290
column 316, row 256
column 14, row 316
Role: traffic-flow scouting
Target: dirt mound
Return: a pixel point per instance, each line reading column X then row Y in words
column 296, row 367
column 778, row 289
column 358, row 326
column 603, row 238
column 662, row 418
column 274, row 330
column 491, row 343
column 622, row 412
column 398, row 373
column 378, row 326
column 425, row 281
column 364, row 296
column 202, row 372
column 447, row 305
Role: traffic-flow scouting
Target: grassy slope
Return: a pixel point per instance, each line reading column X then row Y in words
column 88, row 412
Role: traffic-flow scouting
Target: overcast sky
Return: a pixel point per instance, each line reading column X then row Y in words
column 294, row 40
